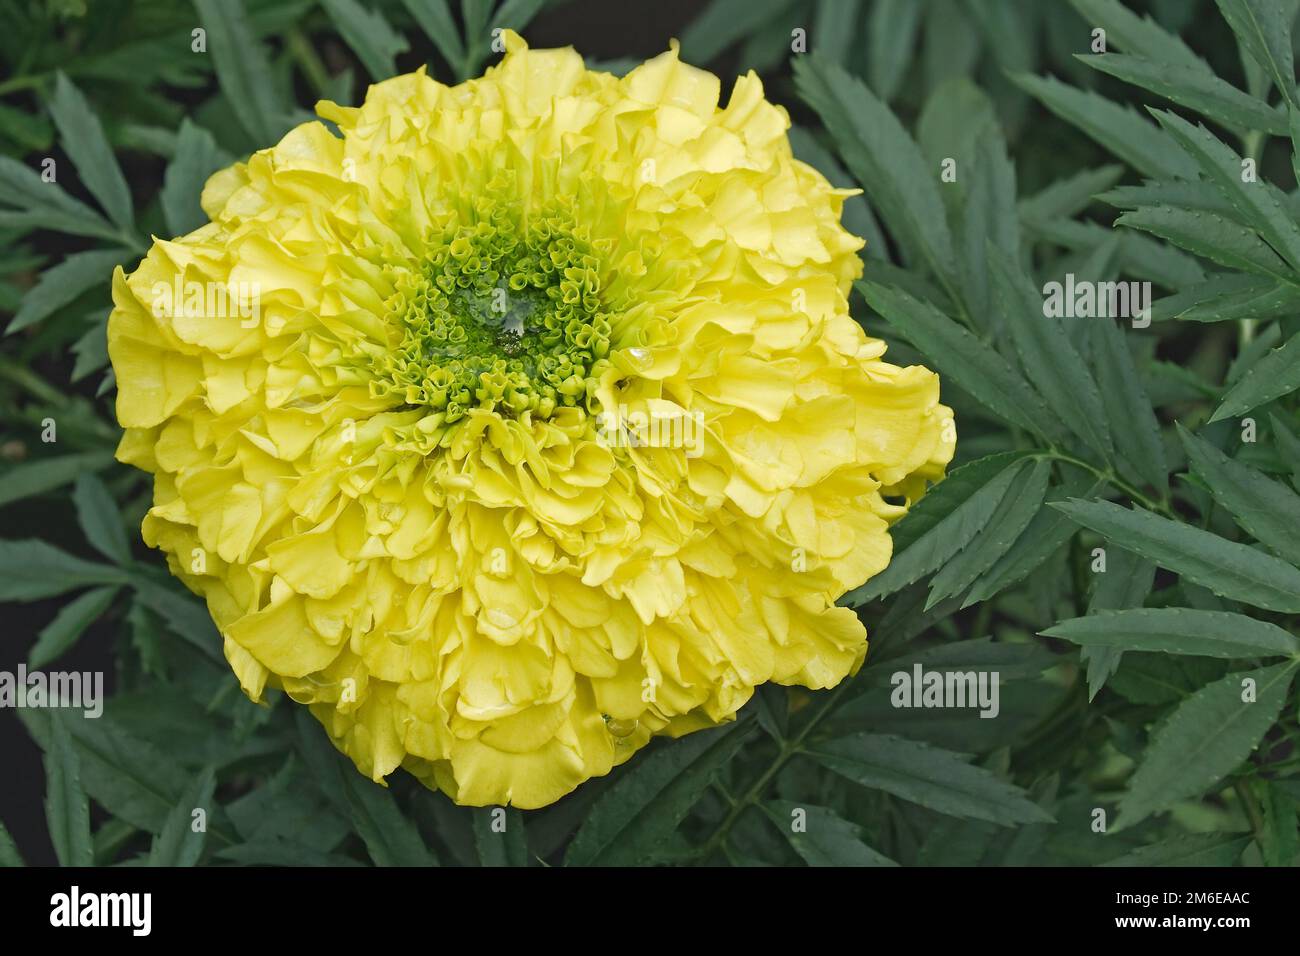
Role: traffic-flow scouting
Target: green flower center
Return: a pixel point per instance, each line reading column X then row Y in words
column 506, row 315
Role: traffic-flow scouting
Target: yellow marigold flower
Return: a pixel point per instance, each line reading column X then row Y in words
column 522, row 421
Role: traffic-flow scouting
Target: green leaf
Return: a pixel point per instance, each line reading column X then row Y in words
column 243, row 70
column 834, row 29
column 99, row 518
column 1207, row 737
column 1070, row 196
column 938, row 779
column 434, row 18
column 962, row 357
column 9, row 855
column 69, row 624
column 64, row 283
column 1288, row 447
column 504, row 847
column 1138, row 35
column 885, row 160
column 892, row 27
column 1116, row 128
column 946, row 538
column 1264, row 30
column 827, row 838
column 185, row 615
column 1046, row 534
column 1228, row 296
column 989, row 216
column 197, row 157
column 1279, row 838
column 1136, row 434
column 1275, row 375
column 42, row 205
column 46, row 474
column 1227, row 568
column 1210, row 236
column 1053, row 365
column 1265, row 509
column 1176, row 630
column 1188, row 850
column 635, row 817
column 390, row 838
column 179, row 844
column 723, row 23
column 82, row 138
column 1014, row 512
column 369, row 34
column 516, row 14
column 1195, row 89
column 1125, row 584
column 67, row 810
column 1260, row 204
column 31, row 569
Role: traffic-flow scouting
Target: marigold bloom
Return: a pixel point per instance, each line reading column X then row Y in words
column 528, row 421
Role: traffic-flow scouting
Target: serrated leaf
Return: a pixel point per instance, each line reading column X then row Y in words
column 1228, row 296
column 99, row 518
column 640, row 811
column 988, row 216
column 509, row 847
column 69, row 624
column 46, row 474
column 1012, row 516
column 37, row 204
column 1116, row 128
column 1194, row 89
column 1279, row 837
column 885, row 160
column 1207, row 737
column 1267, row 510
column 1070, row 196
column 197, row 157
column 243, row 70
column 1188, row 850
column 892, row 27
column 827, row 838
column 67, row 810
column 1258, row 203
column 962, row 357
column 1050, row 361
column 723, row 23
column 947, row 537
column 1209, row 236
column 82, row 138
column 928, row 776
column 9, row 855
column 179, row 844
column 1225, row 567
column 1046, row 534
column 1288, row 447
column 1138, row 35
column 390, row 838
column 64, row 283
column 369, row 35
column 31, row 569
column 1275, row 375
column 1124, row 584
column 1138, row 447
column 1264, row 30
column 434, row 18
column 1176, row 630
